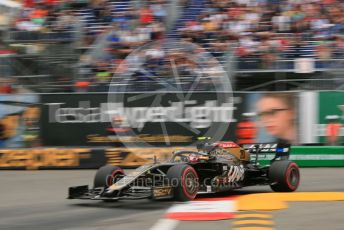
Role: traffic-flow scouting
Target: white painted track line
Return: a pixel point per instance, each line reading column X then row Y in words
column 166, row 224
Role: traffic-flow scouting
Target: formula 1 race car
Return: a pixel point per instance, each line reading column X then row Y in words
column 214, row 167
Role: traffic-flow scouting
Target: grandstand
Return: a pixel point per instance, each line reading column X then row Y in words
column 68, row 46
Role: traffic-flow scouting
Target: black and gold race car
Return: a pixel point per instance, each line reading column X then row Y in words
column 214, row 167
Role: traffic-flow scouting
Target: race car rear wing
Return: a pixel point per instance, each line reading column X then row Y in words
column 281, row 151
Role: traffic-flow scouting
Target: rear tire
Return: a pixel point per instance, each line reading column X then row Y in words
column 184, row 181
column 107, row 175
column 284, row 176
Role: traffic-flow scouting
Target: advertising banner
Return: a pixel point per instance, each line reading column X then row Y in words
column 330, row 110
column 51, row 158
column 167, row 119
column 275, row 117
column 93, row 158
column 145, row 120
column 19, row 121
column 82, row 158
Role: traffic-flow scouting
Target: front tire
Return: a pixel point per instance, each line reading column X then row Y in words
column 107, row 176
column 284, row 176
column 185, row 182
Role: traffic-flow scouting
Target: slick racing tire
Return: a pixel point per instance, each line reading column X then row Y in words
column 107, row 176
column 284, row 176
column 184, row 181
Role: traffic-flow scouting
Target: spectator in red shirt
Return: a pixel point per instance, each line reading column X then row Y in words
column 28, row 3
column 146, row 15
column 5, row 87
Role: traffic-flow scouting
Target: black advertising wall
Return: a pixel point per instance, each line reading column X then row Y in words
column 160, row 119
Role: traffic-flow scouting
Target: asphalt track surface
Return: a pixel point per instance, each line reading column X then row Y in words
column 37, row 200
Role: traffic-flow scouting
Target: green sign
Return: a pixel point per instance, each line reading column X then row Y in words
column 330, row 103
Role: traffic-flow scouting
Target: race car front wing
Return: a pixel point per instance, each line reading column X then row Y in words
column 132, row 193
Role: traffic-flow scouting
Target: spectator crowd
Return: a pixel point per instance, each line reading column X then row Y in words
column 270, row 30
column 262, row 31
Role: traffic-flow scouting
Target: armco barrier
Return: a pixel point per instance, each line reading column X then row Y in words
column 81, row 158
column 52, row 158
column 322, row 156
column 91, row 158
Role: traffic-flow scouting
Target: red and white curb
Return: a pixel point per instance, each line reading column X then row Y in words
column 202, row 210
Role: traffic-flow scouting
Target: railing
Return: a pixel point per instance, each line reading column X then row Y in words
column 303, row 83
column 38, row 36
column 258, row 65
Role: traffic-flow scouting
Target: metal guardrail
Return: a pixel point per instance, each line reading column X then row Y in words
column 38, row 36
column 250, row 65
column 296, row 83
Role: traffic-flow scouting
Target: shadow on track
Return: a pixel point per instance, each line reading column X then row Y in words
column 149, row 205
